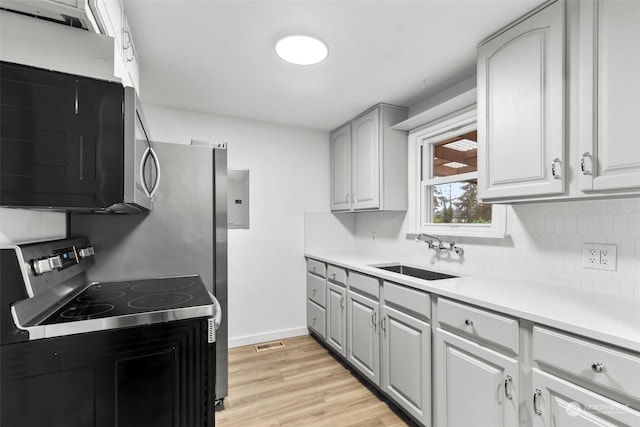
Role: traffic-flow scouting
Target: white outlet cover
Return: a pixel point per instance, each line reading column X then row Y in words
column 599, row 256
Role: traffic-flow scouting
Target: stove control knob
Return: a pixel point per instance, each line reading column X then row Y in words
column 46, row 265
column 86, row 252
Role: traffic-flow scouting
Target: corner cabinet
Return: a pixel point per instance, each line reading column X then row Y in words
column 521, row 114
column 369, row 162
column 609, row 153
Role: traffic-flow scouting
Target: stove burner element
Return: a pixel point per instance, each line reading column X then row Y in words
column 100, row 296
column 84, row 312
column 161, row 286
column 160, row 300
column 108, row 286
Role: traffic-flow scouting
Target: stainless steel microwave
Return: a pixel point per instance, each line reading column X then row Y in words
column 73, row 143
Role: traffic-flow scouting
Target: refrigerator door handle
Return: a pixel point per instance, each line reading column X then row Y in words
column 217, row 319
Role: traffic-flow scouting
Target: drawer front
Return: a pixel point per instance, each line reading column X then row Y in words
column 412, row 301
column 364, row 284
column 316, row 267
column 593, row 362
column 337, row 275
column 317, row 289
column 479, row 324
column 316, row 319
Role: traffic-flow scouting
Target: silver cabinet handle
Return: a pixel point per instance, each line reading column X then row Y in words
column 353, row 197
column 582, row 168
column 383, row 322
column 536, row 394
column 313, row 269
column 468, row 322
column 342, row 302
column 553, row 168
column 314, row 292
column 506, row 386
column 333, row 275
column 374, row 321
column 597, row 367
column 346, row 198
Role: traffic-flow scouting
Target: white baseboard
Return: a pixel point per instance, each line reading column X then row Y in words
column 269, row 336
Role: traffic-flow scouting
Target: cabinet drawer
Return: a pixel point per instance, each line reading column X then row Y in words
column 592, row 362
column 480, row 324
column 316, row 289
column 413, row 301
column 337, row 275
column 316, row 318
column 316, row 267
column 364, row 284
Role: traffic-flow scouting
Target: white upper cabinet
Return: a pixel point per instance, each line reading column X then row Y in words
column 365, row 164
column 521, row 108
column 609, row 153
column 111, row 20
column 369, row 162
column 341, row 169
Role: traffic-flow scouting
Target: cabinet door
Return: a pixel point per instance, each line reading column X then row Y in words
column 365, row 162
column 406, row 362
column 558, row 403
column 337, row 318
column 341, row 169
column 475, row 386
column 363, row 349
column 521, row 109
column 610, row 95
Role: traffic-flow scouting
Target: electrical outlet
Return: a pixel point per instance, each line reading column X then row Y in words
column 599, row 256
column 608, row 257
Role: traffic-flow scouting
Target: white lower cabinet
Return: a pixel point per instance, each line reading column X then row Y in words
column 363, row 348
column 559, row 403
column 484, row 368
column 474, row 385
column 406, row 362
column 337, row 318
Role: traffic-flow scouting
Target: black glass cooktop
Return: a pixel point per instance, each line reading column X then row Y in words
column 111, row 299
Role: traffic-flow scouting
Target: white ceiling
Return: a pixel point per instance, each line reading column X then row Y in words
column 218, row 57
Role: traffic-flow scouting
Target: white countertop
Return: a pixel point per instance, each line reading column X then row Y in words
column 608, row 318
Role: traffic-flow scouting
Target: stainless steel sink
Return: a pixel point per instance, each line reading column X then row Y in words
column 416, row 272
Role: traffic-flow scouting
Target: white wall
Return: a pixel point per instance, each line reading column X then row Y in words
column 289, row 175
column 22, row 225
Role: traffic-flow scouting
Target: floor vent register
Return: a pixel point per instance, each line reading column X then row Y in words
column 266, row 346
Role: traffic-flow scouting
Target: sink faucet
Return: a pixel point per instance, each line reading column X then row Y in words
column 423, row 236
column 438, row 247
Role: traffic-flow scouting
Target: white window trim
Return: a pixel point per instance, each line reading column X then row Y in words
column 449, row 126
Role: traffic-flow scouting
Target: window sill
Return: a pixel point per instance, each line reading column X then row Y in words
column 462, row 231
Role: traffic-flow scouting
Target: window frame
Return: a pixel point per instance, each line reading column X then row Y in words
column 452, row 125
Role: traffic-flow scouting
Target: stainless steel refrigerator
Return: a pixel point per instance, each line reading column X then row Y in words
column 185, row 232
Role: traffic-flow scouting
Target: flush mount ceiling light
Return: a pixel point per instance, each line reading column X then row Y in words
column 301, row 49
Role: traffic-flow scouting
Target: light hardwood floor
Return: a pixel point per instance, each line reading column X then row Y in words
column 301, row 384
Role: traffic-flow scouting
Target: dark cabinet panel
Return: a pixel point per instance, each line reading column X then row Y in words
column 156, row 375
column 61, row 139
column 147, row 375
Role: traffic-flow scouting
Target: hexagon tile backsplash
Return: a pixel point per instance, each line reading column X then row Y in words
column 545, row 244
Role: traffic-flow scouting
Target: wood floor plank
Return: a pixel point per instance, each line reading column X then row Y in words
column 301, row 384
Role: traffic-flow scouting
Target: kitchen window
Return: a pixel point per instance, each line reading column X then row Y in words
column 447, row 169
